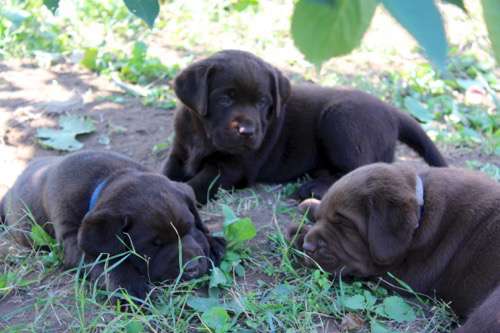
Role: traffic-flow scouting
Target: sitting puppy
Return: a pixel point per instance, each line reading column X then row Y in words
column 99, row 202
column 439, row 231
column 241, row 122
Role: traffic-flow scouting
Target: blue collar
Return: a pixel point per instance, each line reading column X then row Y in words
column 95, row 195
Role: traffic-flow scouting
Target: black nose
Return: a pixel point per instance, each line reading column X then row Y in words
column 246, row 130
column 191, row 270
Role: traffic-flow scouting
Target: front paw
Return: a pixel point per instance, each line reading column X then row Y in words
column 295, row 234
column 134, row 285
column 315, row 188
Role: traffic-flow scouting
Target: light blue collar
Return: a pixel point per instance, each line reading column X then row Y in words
column 95, row 195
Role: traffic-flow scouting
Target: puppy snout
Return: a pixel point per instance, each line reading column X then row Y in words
column 192, row 270
column 309, row 247
column 246, row 130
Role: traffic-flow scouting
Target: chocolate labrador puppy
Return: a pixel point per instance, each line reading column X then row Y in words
column 241, row 122
column 439, row 231
column 99, row 202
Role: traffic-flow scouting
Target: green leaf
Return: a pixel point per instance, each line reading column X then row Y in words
column 202, row 304
column 429, row 33
column 370, row 299
column 217, row 278
column 217, row 318
column 40, row 237
column 147, row 10
column 134, row 326
column 330, row 28
column 89, row 59
column 376, row 327
column 356, row 302
column 52, row 5
column 458, row 3
column 139, row 51
column 417, row 110
column 65, row 138
column 229, row 215
column 491, row 13
column 241, row 5
column 396, row 308
column 240, row 230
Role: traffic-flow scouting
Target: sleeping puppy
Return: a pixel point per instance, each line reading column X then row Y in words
column 99, row 202
column 241, row 122
column 439, row 231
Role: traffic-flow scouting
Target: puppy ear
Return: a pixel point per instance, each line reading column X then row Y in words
column 100, row 232
column 281, row 90
column 191, row 87
column 391, row 225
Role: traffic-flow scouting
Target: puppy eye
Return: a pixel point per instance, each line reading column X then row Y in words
column 158, row 242
column 263, row 102
column 225, row 100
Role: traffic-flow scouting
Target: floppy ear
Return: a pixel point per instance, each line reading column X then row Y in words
column 189, row 197
column 391, row 225
column 280, row 90
column 191, row 87
column 100, row 232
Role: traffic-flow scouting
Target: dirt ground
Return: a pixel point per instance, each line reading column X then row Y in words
column 33, row 97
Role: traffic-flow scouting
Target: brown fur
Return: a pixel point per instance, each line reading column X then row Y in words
column 136, row 208
column 369, row 223
column 241, row 122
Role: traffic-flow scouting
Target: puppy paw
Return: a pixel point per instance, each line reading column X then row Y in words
column 315, row 188
column 309, row 207
column 217, row 248
column 295, row 234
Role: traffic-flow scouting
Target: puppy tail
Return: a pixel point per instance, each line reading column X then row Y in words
column 412, row 134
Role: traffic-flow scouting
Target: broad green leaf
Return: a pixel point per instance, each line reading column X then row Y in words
column 376, row 327
column 330, row 28
column 458, row 3
column 217, row 318
column 423, row 21
column 65, row 138
column 240, row 230
column 241, row 5
column 491, row 13
column 370, row 299
column 356, row 302
column 396, row 308
column 147, row 10
column 418, row 110
column 40, row 237
column 89, row 59
column 139, row 51
column 52, row 5
column 229, row 215
column 134, row 326
column 202, row 304
column 217, row 278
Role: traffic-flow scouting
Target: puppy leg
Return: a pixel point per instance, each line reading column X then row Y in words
column 315, row 188
column 485, row 318
column 205, row 184
column 173, row 168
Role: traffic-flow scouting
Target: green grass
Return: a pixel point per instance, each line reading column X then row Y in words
column 272, row 291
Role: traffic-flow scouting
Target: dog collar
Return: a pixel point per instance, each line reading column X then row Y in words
column 419, row 193
column 96, row 193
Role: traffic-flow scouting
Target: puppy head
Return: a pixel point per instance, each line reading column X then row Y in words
column 145, row 212
column 236, row 95
column 366, row 221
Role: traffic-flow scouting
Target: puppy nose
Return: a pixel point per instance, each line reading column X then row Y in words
column 309, row 247
column 246, row 130
column 191, row 270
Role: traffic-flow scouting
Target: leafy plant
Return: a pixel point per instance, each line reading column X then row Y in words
column 64, row 138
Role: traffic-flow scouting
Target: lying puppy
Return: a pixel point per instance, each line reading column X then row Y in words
column 241, row 122
column 99, row 202
column 439, row 231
